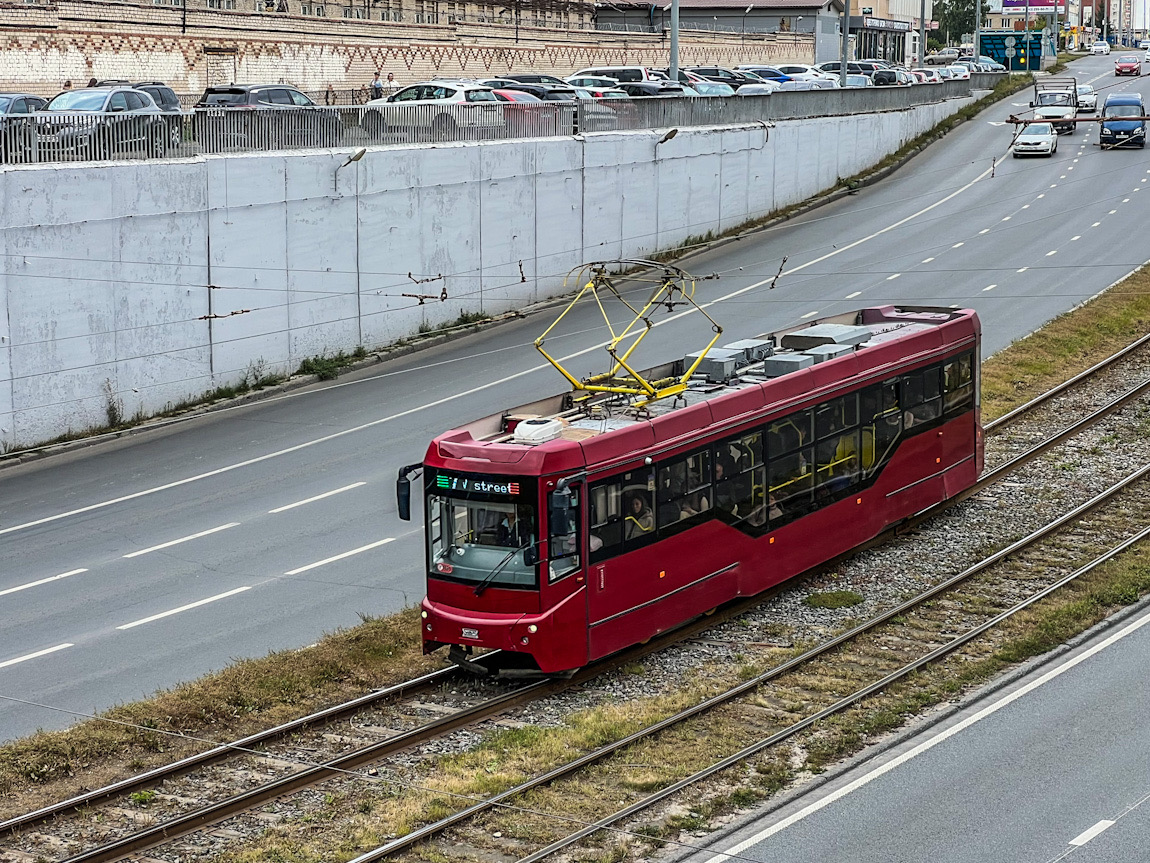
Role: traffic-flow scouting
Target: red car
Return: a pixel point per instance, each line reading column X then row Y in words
column 1128, row 65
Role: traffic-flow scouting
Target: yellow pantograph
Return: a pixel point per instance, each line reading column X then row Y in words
column 673, row 287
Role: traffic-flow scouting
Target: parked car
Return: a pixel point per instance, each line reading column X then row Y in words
column 800, row 71
column 263, row 115
column 832, row 67
column 536, row 78
column 764, row 89
column 990, row 64
column 959, row 73
column 525, row 115
column 546, row 92
column 101, row 122
column 1087, row 99
column 1100, row 47
column 892, row 78
column 767, row 73
column 1127, row 64
column 713, row 88
column 795, row 84
column 857, row 81
column 18, row 126
column 1144, row 45
column 438, row 108
column 651, row 88
column 1036, row 139
column 595, row 84
column 942, row 57
column 927, row 76
column 629, row 74
column 731, row 77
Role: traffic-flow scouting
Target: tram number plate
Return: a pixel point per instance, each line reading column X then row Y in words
column 470, row 633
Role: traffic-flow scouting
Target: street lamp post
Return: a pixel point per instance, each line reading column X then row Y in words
column 674, row 64
column 746, row 12
column 846, row 42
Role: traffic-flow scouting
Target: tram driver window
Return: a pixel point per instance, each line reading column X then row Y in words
column 958, row 384
column 606, row 536
column 563, row 539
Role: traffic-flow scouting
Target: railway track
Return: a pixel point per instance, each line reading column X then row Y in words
column 275, row 775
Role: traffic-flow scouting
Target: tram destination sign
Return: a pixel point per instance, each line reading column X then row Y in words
column 493, row 485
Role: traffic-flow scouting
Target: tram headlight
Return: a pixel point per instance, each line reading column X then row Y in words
column 429, row 627
column 423, row 614
column 533, row 629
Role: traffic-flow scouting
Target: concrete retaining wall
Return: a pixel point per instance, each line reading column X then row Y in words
column 129, row 287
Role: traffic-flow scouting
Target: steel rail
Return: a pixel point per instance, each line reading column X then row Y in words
column 746, row 687
column 181, row 825
column 837, row 707
column 993, row 426
column 224, row 750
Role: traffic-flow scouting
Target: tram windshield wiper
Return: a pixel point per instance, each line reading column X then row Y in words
column 498, row 568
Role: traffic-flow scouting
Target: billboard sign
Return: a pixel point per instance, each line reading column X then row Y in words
column 1036, row 7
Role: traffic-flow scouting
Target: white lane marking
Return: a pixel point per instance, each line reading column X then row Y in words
column 1026, row 206
column 927, row 260
column 984, row 231
column 1054, row 185
column 892, row 277
column 1125, row 200
column 329, row 493
column 1079, row 237
column 170, row 543
column 41, row 581
column 43, row 652
column 1071, row 168
column 1086, row 835
column 1063, row 177
column 1112, row 212
column 1096, row 224
column 190, row 605
column 809, row 314
column 1006, row 218
column 958, row 245
column 1023, row 270
column 1052, row 252
column 328, row 560
column 1075, row 161
column 926, row 745
column 954, row 305
column 852, row 296
column 499, row 381
column 1043, row 195
column 990, row 287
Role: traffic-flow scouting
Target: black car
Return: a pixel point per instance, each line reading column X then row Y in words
column 101, row 122
column 263, row 115
column 651, row 88
column 720, row 75
column 546, row 92
column 532, row 78
column 17, row 127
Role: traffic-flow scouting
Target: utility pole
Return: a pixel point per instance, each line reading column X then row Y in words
column 846, row 42
column 674, row 64
column 977, row 30
column 922, row 32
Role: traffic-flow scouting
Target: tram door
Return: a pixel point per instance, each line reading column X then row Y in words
column 564, row 572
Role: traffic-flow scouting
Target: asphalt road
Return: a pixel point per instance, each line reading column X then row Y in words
column 140, row 563
column 1054, row 766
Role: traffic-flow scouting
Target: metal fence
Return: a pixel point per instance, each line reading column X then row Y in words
column 55, row 137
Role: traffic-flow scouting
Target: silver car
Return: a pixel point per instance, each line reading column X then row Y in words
column 101, row 122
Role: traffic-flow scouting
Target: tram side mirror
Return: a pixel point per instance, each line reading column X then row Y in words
column 403, row 497
column 403, row 491
column 531, row 555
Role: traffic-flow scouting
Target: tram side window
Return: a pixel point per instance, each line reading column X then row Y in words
column 739, row 478
column 606, row 536
column 790, row 467
column 638, row 512
column 922, row 396
column 958, row 384
column 881, row 425
column 563, row 545
column 837, row 451
column 684, row 492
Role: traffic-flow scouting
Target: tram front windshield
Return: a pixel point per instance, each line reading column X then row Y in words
column 488, row 543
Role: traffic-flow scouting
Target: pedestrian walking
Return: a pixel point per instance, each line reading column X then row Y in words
column 329, row 95
column 377, row 87
column 391, row 85
column 68, row 85
column 92, row 82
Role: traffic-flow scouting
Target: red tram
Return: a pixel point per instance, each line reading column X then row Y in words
column 569, row 528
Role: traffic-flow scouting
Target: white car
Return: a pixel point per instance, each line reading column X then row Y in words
column 764, row 89
column 801, row 72
column 1144, row 45
column 1100, row 48
column 440, row 107
column 1087, row 99
column 959, row 73
column 1036, row 139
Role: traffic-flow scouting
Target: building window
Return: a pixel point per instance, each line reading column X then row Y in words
column 320, row 10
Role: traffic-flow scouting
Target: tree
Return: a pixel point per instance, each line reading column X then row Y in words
column 956, row 17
